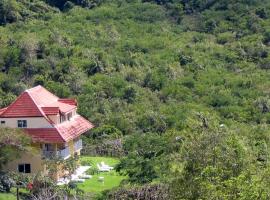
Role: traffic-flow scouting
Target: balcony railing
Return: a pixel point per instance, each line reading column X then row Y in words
column 63, row 153
column 78, row 145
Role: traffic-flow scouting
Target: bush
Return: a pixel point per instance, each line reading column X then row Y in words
column 5, row 182
column 105, row 132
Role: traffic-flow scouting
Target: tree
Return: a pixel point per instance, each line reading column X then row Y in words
column 9, row 11
column 12, row 143
column 214, row 163
column 145, row 155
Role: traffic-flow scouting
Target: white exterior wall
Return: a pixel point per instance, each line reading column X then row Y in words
column 32, row 122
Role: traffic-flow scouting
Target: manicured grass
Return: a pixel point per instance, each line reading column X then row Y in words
column 95, row 160
column 9, row 196
column 95, row 186
column 12, row 194
column 111, row 179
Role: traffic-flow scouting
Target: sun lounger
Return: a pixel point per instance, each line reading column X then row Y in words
column 78, row 180
column 85, row 176
column 105, row 166
column 103, row 169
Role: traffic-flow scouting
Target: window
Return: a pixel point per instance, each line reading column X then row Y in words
column 24, row 168
column 3, row 122
column 62, row 118
column 69, row 115
column 48, row 147
column 22, row 123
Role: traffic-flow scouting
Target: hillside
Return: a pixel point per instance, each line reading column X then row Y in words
column 184, row 84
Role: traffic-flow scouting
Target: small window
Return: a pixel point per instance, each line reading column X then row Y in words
column 22, row 123
column 69, row 116
column 3, row 122
column 24, row 168
column 62, row 118
column 27, row 168
column 48, row 147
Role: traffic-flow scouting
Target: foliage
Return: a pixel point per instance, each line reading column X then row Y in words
column 5, row 182
column 215, row 163
column 12, row 143
column 154, row 72
column 154, row 191
column 55, row 164
column 145, row 153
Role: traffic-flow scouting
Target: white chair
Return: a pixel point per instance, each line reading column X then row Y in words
column 85, row 176
column 106, row 166
column 78, row 180
column 103, row 169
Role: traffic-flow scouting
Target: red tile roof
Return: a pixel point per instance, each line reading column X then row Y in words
column 39, row 102
column 24, row 106
column 50, row 135
column 62, row 132
column 69, row 101
column 2, row 110
column 33, row 103
column 44, row 98
column 74, row 128
column 50, row 110
column 63, row 107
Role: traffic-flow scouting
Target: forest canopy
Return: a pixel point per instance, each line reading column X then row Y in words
column 184, row 85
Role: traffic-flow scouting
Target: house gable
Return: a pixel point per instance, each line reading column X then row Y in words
column 24, row 106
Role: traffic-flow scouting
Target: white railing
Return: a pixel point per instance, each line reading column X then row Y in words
column 78, row 145
column 63, row 153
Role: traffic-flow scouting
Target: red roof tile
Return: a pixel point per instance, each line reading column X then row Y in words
column 69, row 101
column 24, row 106
column 63, row 107
column 41, row 96
column 74, row 128
column 2, row 110
column 61, row 133
column 50, row 110
column 50, row 135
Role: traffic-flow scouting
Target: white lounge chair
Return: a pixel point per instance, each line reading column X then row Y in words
column 103, row 169
column 106, row 166
column 85, row 176
column 78, row 180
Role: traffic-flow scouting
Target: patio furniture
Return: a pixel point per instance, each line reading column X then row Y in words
column 106, row 166
column 103, row 168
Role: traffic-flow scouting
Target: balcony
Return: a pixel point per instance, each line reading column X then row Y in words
column 78, row 145
column 63, row 153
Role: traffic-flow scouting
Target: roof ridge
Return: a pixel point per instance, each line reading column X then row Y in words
column 38, row 86
column 39, row 108
column 41, row 87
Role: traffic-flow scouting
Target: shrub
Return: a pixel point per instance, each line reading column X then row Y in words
column 5, row 182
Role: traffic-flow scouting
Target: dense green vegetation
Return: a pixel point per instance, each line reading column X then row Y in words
column 182, row 85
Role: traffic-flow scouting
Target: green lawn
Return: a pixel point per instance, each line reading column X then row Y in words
column 111, row 179
column 95, row 160
column 12, row 194
column 4, row 196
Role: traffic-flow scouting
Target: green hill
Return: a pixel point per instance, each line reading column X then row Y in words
column 155, row 70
